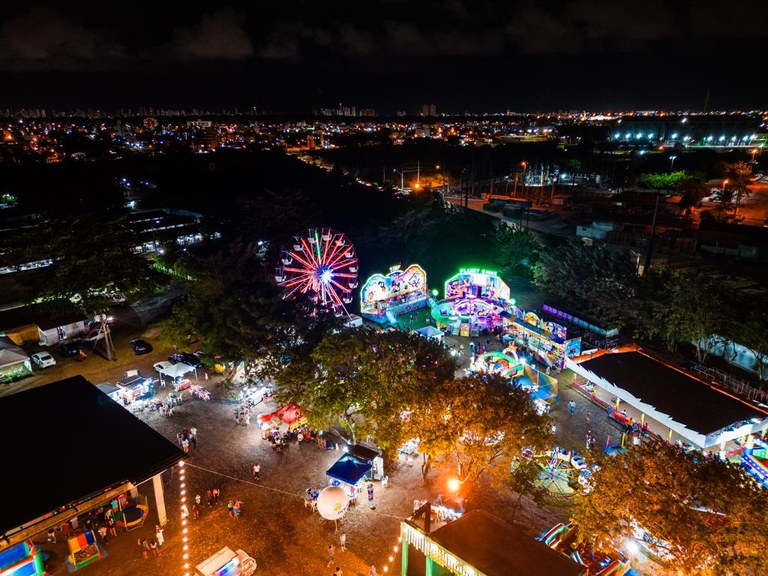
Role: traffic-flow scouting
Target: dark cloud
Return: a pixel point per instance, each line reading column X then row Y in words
column 46, row 39
column 341, row 49
column 219, row 36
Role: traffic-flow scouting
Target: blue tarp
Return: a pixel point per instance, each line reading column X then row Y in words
column 349, row 469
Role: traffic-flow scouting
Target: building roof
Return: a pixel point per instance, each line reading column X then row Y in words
column 496, row 548
column 71, row 441
column 40, row 315
column 684, row 398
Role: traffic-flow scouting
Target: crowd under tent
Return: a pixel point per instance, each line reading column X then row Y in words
column 61, row 482
column 431, row 333
column 693, row 410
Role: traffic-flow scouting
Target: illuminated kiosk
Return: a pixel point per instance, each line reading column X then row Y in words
column 546, row 340
column 476, row 302
column 384, row 298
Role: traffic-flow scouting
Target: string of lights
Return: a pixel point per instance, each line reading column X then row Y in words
column 184, row 517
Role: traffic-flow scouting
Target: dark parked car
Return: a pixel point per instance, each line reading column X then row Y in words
column 68, row 349
column 140, row 346
column 185, row 358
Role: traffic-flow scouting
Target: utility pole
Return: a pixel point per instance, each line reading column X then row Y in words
column 647, row 265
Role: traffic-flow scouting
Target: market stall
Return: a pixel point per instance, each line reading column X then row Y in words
column 349, row 472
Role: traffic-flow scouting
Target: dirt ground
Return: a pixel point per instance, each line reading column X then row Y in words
column 275, row 527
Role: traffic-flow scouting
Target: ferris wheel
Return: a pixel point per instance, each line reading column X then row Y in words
column 323, row 263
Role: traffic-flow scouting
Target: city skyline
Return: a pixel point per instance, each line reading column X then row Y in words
column 297, row 56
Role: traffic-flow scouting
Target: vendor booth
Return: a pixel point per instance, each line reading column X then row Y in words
column 431, row 333
column 349, row 473
column 384, row 297
column 356, row 466
column 546, row 340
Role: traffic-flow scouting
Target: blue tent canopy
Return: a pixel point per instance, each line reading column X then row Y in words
column 349, row 469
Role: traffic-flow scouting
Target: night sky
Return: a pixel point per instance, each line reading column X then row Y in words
column 462, row 55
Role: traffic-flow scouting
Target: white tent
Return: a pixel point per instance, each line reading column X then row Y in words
column 431, row 333
column 174, row 371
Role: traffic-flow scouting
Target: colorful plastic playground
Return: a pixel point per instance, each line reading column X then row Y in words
column 562, row 537
column 22, row 559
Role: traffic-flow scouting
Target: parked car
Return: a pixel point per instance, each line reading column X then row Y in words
column 185, row 358
column 68, row 349
column 140, row 346
column 43, row 359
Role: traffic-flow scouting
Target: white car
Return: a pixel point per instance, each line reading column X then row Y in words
column 43, row 359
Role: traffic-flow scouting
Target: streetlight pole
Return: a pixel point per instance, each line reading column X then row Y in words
column 647, row 264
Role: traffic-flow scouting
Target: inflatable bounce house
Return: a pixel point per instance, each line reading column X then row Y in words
column 22, row 559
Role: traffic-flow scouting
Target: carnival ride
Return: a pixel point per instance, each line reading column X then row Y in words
column 476, row 301
column 384, row 297
column 754, row 458
column 562, row 537
column 563, row 472
column 505, row 364
column 323, row 264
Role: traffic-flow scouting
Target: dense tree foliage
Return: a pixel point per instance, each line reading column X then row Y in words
column 517, row 251
column 93, row 261
column 365, row 379
column 687, row 307
column 703, row 516
column 238, row 312
column 596, row 279
column 481, row 424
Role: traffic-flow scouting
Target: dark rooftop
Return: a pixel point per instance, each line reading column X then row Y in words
column 685, row 399
column 41, row 315
column 68, row 440
column 496, row 548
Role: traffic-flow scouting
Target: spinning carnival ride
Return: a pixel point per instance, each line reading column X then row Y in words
column 562, row 472
column 323, row 263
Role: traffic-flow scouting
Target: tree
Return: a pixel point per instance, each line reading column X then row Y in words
column 239, row 312
column 481, row 423
column 92, row 260
column 689, row 307
column 518, row 250
column 365, row 379
column 596, row 279
column 703, row 516
column 750, row 330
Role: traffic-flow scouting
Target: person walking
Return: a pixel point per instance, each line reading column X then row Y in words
column 338, row 572
column 589, row 416
column 230, row 506
column 154, row 548
column 209, row 497
column 572, row 407
column 198, row 499
column 343, row 542
column 112, row 527
column 331, row 555
column 257, row 471
column 371, row 505
column 372, row 570
column 145, row 548
column 216, row 495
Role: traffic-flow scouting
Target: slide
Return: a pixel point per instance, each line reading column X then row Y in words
column 617, row 567
column 391, row 318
